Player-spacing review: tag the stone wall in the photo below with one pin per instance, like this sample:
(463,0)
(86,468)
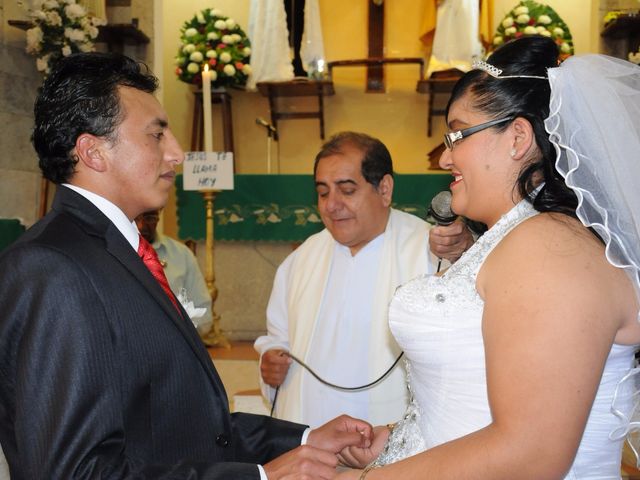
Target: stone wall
(19,80)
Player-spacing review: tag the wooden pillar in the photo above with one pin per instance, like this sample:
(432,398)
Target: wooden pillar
(375,73)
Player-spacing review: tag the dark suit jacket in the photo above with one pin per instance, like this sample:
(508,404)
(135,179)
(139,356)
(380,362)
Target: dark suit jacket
(99,375)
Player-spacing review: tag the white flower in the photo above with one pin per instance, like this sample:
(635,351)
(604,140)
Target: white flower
(85,47)
(193,68)
(558,32)
(74,11)
(540,29)
(179,60)
(529,30)
(93,32)
(214,75)
(54,19)
(510,31)
(225,57)
(189,48)
(201,18)
(497,40)
(229,70)
(524,18)
(190,32)
(214,12)
(228,39)
(545,33)
(34,39)
(507,22)
(236,37)
(544,19)
(212,36)
(39,15)
(246,69)
(66,50)
(211,54)
(74,34)
(196,57)
(565,47)
(231,23)
(220,24)
(42,63)
(520,10)
(246,51)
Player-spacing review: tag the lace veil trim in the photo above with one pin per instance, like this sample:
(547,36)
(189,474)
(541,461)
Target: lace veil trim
(594,125)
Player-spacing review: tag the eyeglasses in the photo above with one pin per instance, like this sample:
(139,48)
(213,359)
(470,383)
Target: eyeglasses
(451,138)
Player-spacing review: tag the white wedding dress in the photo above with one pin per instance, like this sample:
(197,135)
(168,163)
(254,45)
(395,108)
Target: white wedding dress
(438,323)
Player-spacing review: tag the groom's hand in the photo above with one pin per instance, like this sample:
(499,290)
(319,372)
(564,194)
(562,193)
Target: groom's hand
(341,432)
(358,457)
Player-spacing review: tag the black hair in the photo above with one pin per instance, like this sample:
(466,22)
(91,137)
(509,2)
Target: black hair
(80,95)
(527,98)
(376,159)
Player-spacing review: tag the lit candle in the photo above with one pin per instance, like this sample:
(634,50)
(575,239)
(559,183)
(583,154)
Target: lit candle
(206,104)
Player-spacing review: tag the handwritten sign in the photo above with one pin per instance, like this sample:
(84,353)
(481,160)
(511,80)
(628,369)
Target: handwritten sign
(208,171)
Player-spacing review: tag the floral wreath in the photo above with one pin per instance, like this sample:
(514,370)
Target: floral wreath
(213,39)
(533,18)
(61,27)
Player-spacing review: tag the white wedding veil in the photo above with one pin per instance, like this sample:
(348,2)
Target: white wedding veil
(594,125)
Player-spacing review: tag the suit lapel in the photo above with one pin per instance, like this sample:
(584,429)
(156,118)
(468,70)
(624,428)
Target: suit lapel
(97,224)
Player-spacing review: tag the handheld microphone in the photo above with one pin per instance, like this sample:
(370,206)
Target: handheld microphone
(265,124)
(440,210)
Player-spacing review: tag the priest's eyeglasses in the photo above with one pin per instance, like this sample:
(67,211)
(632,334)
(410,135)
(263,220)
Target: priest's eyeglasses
(450,138)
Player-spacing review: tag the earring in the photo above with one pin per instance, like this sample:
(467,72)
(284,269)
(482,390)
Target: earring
(513,152)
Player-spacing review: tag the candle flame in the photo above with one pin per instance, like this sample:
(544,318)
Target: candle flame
(206,67)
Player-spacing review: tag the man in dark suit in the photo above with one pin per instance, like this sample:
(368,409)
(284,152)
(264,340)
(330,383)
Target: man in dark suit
(102,375)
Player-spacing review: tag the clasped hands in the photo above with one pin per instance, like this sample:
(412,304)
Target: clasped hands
(343,441)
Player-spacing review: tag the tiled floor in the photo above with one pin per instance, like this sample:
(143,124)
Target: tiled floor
(238,369)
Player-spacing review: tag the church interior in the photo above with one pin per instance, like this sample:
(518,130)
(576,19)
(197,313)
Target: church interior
(376,72)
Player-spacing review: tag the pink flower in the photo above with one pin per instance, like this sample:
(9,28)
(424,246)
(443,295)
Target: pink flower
(222,45)
(239,65)
(213,62)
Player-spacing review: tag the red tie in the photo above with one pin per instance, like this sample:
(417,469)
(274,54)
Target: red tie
(151,260)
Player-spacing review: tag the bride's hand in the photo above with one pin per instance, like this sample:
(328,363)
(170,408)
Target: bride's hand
(356,457)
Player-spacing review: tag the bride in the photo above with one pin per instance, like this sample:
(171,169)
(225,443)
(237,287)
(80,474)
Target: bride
(521,354)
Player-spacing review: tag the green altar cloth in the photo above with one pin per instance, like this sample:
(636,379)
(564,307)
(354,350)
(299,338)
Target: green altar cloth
(283,207)
(10,230)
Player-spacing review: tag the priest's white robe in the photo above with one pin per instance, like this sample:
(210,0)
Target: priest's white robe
(330,310)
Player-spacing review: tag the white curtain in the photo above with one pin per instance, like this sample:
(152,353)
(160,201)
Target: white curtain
(457,37)
(312,46)
(270,55)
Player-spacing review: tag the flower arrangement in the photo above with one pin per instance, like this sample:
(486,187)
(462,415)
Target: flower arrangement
(214,39)
(533,18)
(61,27)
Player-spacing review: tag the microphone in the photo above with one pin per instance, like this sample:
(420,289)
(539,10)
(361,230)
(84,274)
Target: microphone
(265,124)
(440,210)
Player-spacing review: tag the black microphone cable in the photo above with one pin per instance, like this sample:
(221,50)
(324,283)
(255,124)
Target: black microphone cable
(333,385)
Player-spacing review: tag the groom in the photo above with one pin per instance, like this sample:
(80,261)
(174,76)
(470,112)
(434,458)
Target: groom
(102,375)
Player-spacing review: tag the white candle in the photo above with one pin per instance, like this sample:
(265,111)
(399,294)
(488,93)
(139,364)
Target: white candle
(206,107)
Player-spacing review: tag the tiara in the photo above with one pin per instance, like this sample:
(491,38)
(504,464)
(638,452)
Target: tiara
(496,72)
